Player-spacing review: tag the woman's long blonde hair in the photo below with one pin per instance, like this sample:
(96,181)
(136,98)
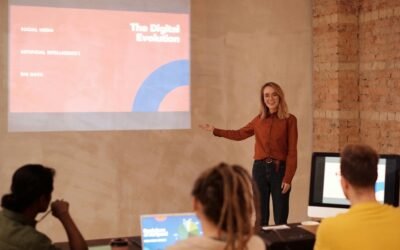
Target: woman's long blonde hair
(226,195)
(282,107)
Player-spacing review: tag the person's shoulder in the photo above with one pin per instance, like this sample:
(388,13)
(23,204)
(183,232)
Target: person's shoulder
(39,240)
(257,117)
(256,120)
(390,207)
(395,211)
(334,223)
(256,243)
(291,120)
(327,221)
(28,237)
(292,117)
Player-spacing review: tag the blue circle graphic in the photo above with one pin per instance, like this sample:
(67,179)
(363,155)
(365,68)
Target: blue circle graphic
(159,83)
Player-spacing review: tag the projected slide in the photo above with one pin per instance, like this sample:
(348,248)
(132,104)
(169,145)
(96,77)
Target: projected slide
(76,66)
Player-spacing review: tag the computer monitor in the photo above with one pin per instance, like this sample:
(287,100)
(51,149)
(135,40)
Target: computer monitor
(326,197)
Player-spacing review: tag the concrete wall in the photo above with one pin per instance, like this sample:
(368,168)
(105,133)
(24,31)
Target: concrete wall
(110,178)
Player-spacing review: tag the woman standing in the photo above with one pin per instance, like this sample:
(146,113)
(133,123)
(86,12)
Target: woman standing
(275,156)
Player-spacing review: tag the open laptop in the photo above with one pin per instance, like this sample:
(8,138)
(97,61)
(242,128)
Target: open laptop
(159,231)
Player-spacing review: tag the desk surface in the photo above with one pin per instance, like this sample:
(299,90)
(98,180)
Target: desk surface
(101,244)
(274,239)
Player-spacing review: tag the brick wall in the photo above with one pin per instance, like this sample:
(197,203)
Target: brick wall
(356,74)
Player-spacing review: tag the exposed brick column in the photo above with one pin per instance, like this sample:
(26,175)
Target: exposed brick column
(356,86)
(335,74)
(380,74)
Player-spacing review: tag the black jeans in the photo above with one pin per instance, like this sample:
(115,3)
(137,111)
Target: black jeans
(268,179)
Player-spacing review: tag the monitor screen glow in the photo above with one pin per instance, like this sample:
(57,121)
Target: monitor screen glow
(326,197)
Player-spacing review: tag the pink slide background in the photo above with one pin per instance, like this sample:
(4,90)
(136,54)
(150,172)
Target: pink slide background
(109,70)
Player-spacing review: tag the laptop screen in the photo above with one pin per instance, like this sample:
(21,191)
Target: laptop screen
(159,231)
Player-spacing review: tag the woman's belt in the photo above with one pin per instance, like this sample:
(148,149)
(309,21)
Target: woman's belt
(276,162)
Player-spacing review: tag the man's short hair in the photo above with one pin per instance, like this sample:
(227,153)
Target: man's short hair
(359,165)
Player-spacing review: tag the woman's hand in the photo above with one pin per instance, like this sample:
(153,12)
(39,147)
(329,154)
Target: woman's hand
(285,187)
(207,127)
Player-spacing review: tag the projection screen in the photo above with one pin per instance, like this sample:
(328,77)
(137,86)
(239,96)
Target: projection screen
(98,65)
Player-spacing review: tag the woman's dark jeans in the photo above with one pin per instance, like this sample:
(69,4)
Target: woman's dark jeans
(268,179)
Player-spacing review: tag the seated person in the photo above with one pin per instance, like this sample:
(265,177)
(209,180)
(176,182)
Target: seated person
(223,202)
(368,224)
(30,195)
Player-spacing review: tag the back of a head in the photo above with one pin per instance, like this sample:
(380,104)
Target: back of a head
(226,195)
(359,165)
(29,183)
